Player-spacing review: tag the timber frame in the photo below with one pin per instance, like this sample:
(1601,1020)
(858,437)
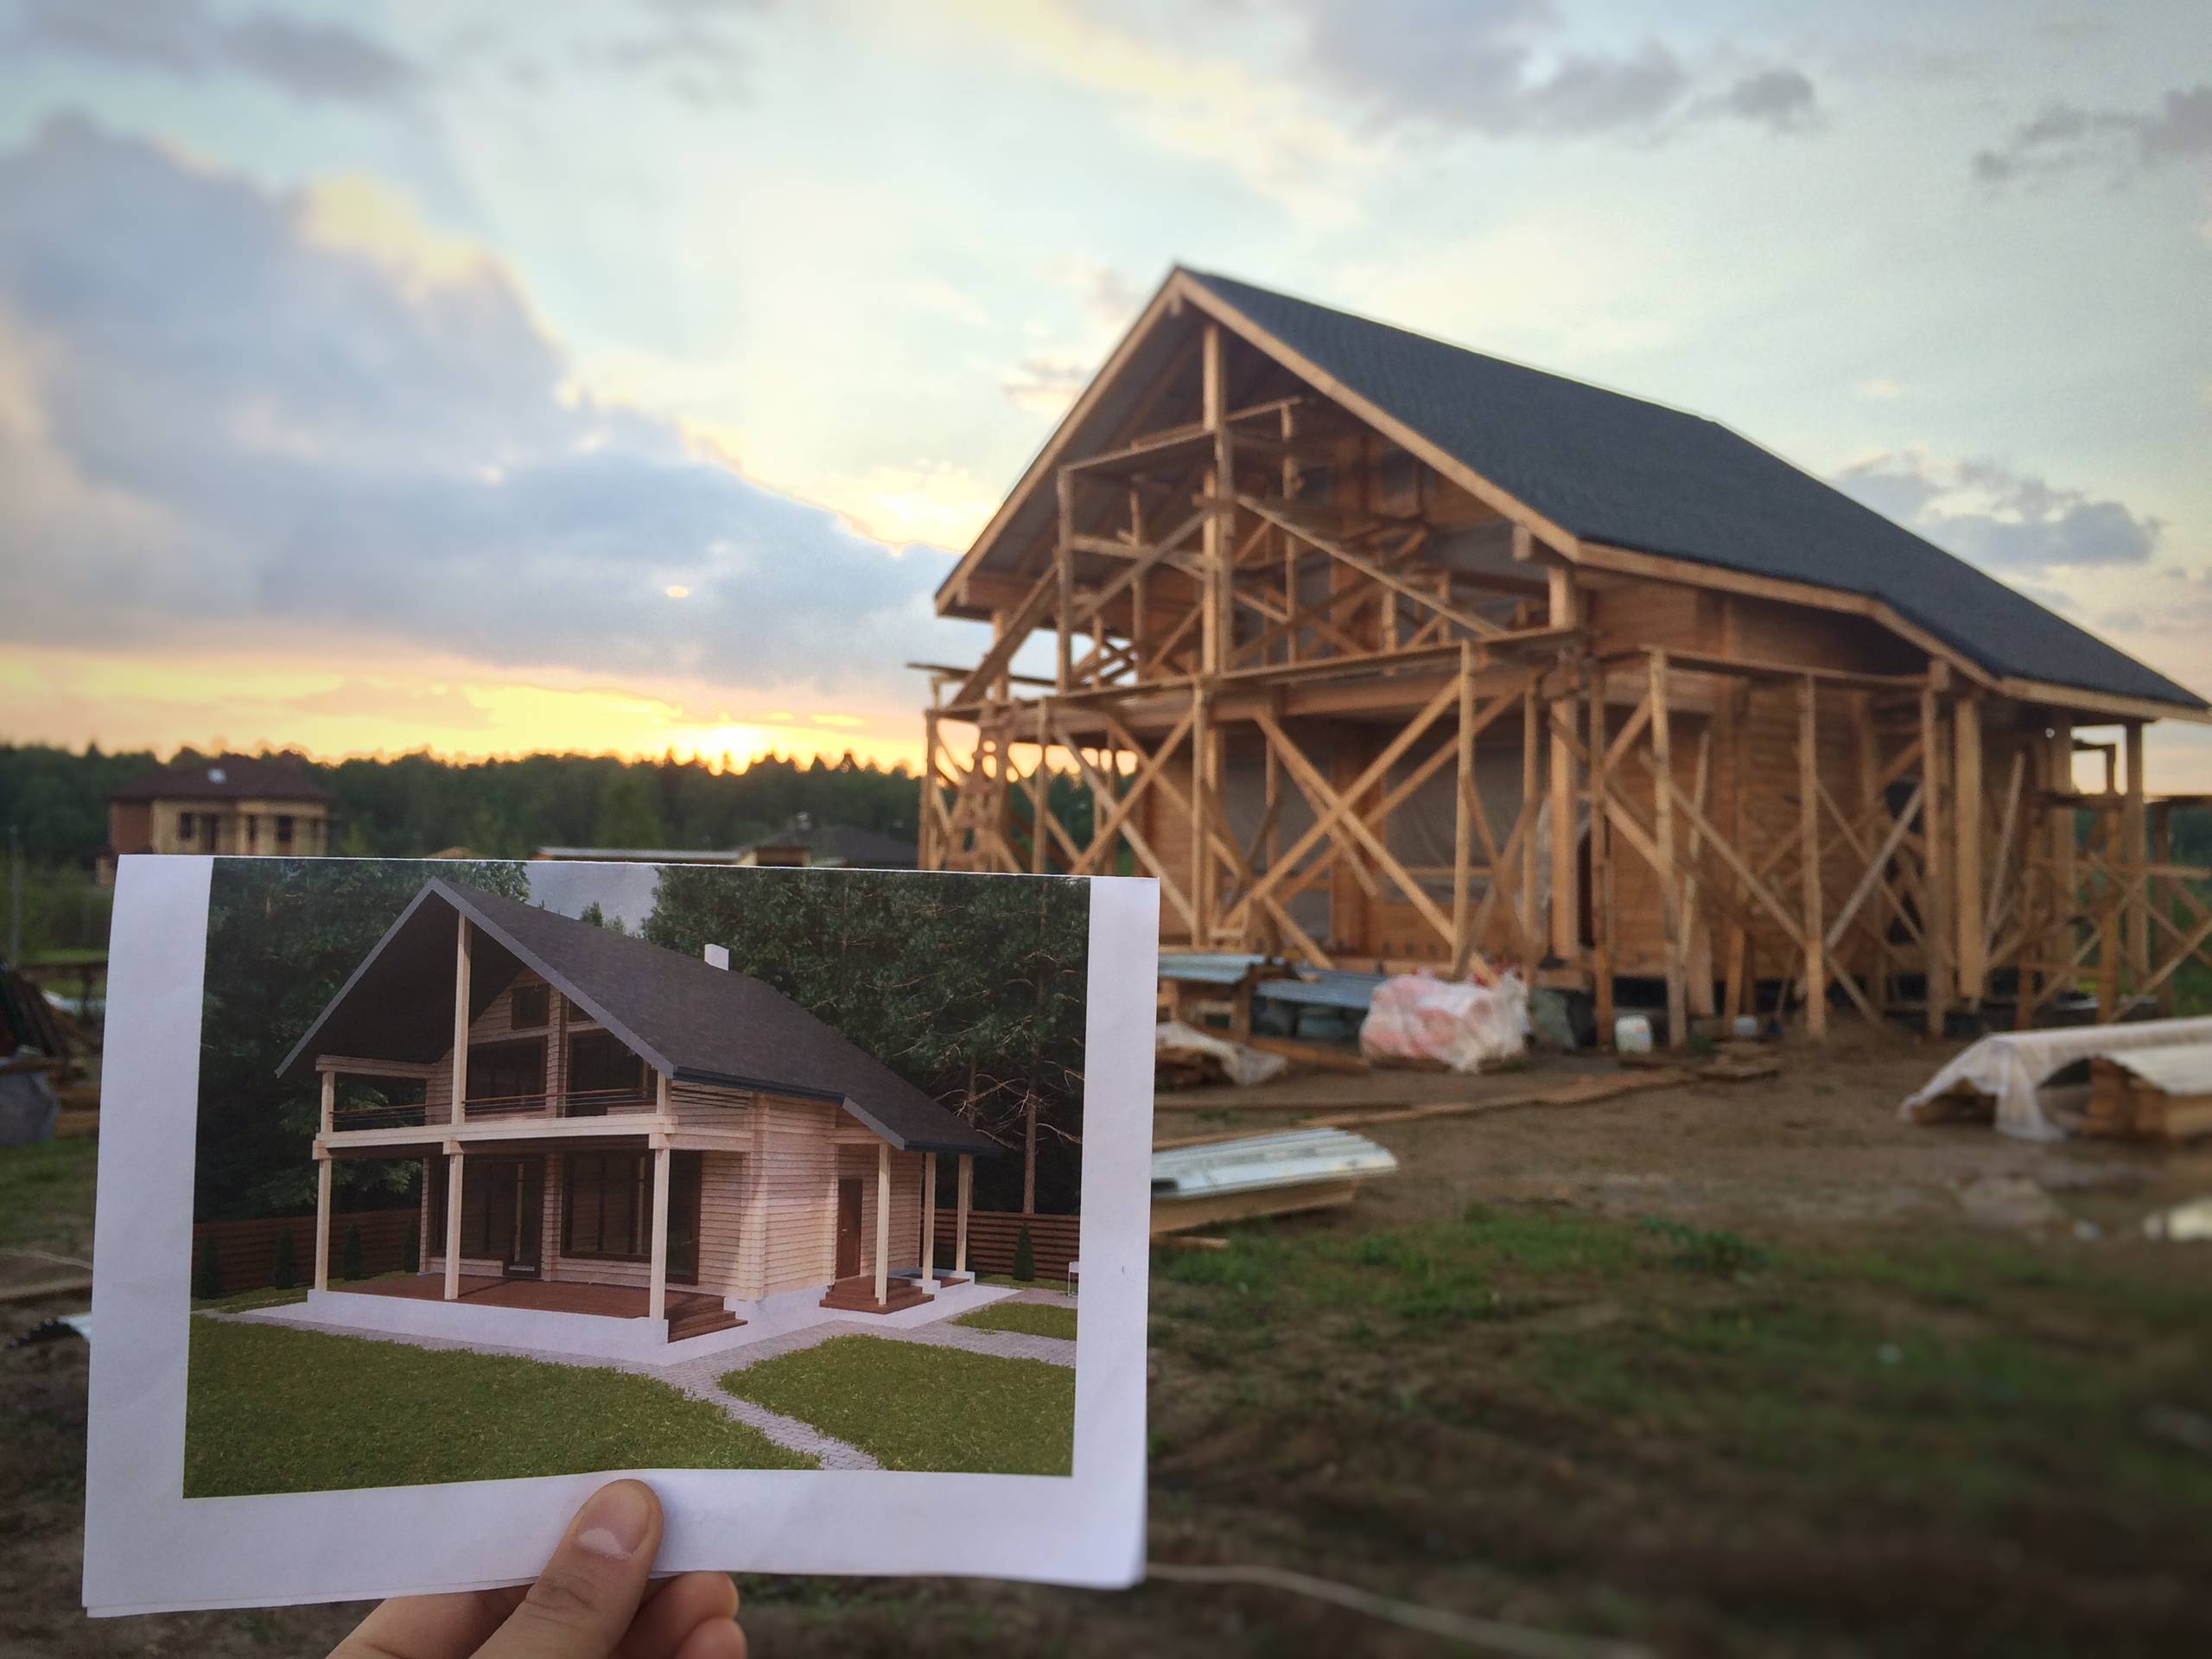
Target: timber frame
(1349,702)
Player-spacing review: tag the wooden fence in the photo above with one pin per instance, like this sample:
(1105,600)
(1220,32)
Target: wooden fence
(991,1235)
(246,1251)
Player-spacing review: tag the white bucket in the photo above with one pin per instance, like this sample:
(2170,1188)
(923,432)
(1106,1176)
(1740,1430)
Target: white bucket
(1747,1026)
(1632,1034)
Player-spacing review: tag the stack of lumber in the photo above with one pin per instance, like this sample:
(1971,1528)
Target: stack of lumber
(1243,1176)
(2151,1093)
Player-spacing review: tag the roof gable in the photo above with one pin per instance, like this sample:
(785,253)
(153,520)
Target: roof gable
(1617,470)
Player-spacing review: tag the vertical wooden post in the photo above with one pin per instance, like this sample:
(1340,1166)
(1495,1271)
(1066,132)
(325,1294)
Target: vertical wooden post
(1040,800)
(1601,863)
(329,1100)
(1216,539)
(1670,880)
(2132,860)
(929,1221)
(1936,924)
(1531,718)
(927,856)
(883,1223)
(1567,927)
(1808,831)
(1966,806)
(1064,575)
(1866,752)
(657,1282)
(1201,816)
(963,1201)
(1462,814)
(461,951)
(2162,853)
(1736,708)
(1029,1153)
(454,1176)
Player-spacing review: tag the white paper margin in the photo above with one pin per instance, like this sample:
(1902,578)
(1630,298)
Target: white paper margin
(149,1549)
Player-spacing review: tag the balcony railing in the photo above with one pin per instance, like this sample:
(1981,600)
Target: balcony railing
(378,1117)
(506,1105)
(577,1102)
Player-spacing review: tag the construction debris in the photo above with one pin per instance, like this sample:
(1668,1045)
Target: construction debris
(1582,1091)
(2013,1070)
(1260,1175)
(2151,1093)
(1184,1057)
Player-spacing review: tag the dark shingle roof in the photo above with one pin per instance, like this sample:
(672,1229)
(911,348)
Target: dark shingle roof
(687,1020)
(847,845)
(227,777)
(1617,470)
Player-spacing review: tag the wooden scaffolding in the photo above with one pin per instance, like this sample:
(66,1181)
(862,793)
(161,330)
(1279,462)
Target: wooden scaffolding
(1279,628)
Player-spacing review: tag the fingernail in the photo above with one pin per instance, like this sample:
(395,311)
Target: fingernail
(615,1520)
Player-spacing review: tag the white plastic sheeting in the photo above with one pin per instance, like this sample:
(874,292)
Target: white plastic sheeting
(1414,1017)
(1243,1066)
(2012,1067)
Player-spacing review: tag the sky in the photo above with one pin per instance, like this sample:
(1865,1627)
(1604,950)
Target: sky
(624,376)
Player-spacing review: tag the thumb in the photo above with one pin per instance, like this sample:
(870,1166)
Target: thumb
(584,1600)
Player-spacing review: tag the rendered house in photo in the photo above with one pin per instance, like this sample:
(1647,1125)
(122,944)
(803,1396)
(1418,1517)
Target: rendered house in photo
(607,1128)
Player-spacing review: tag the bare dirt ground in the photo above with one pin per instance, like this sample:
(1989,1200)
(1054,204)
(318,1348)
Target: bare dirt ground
(1732,1368)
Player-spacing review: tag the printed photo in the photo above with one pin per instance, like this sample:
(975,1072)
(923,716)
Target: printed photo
(507,1170)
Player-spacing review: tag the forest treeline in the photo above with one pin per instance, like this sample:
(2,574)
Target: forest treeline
(411,805)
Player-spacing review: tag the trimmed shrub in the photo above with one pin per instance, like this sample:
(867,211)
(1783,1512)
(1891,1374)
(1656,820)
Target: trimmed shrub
(283,1270)
(207,1283)
(1025,1256)
(350,1264)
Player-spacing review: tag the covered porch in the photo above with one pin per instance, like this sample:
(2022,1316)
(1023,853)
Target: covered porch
(690,1313)
(857,1288)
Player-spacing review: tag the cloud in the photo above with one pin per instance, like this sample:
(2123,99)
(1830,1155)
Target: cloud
(222,411)
(190,39)
(1045,381)
(687,46)
(2065,137)
(1500,68)
(1782,99)
(2004,520)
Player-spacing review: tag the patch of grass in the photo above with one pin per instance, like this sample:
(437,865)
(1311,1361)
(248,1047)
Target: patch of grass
(269,1409)
(1704,1249)
(1030,1318)
(46,1195)
(910,1405)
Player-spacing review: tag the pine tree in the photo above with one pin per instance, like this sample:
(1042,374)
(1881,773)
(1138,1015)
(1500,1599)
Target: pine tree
(1025,1257)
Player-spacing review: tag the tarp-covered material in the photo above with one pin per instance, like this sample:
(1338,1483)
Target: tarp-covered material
(2012,1068)
(1464,1027)
(1241,1066)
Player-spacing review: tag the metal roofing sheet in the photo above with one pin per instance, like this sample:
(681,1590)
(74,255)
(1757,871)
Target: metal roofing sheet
(1292,1159)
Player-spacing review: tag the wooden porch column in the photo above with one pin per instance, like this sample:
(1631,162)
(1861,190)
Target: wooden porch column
(1063,580)
(2132,860)
(657,1290)
(1808,830)
(461,954)
(1971,952)
(960,1213)
(929,1221)
(882,1222)
(323,1184)
(1462,815)
(322,1211)
(453,1220)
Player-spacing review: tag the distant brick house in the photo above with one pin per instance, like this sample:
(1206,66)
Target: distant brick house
(234,803)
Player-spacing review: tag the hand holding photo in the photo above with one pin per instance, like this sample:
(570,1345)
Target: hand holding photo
(496,1189)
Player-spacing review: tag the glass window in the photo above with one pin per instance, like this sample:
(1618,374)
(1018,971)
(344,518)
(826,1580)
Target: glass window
(601,1071)
(607,1204)
(527,1007)
(506,1074)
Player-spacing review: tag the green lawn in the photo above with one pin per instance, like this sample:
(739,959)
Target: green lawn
(1030,1318)
(46,1195)
(914,1407)
(272,1410)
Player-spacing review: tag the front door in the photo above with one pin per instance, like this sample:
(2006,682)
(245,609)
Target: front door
(514,1202)
(849,1229)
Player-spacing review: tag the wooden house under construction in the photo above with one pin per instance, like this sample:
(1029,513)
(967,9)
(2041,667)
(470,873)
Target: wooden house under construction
(1376,651)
